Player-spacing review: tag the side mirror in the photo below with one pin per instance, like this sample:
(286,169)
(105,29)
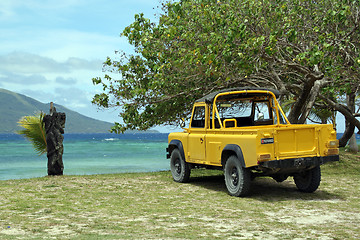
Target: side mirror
(182,124)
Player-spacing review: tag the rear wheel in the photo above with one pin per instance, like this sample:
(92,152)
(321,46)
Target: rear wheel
(237,178)
(180,169)
(308,181)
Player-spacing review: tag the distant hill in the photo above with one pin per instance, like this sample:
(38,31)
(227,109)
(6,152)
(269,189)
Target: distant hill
(13,106)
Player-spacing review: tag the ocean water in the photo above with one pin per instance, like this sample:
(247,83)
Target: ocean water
(86,154)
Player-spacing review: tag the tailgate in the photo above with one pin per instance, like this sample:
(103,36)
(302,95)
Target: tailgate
(296,141)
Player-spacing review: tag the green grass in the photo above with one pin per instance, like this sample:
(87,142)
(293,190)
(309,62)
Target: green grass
(153,206)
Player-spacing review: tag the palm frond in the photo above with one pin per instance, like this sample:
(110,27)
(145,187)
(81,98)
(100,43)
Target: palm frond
(287,104)
(34,131)
(320,114)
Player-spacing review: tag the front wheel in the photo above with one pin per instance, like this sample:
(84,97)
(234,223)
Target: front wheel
(308,181)
(237,178)
(180,169)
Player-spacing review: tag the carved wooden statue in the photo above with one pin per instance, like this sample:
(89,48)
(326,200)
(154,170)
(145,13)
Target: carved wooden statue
(54,126)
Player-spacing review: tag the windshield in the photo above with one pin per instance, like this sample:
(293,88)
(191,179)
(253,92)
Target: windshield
(242,110)
(234,109)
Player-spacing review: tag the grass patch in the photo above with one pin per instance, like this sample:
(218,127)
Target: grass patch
(153,206)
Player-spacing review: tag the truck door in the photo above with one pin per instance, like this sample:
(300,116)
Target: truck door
(197,134)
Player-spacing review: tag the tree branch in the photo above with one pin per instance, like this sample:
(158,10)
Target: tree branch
(344,110)
(312,98)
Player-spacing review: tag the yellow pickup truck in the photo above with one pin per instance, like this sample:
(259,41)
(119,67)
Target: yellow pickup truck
(245,133)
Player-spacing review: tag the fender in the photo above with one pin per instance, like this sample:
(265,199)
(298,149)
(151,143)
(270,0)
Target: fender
(232,149)
(176,144)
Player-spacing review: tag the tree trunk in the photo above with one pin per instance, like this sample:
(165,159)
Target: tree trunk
(344,110)
(349,131)
(350,100)
(298,107)
(54,126)
(312,98)
(354,148)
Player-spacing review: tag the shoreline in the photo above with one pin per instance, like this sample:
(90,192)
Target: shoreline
(84,175)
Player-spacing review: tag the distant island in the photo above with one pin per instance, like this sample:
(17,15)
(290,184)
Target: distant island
(14,106)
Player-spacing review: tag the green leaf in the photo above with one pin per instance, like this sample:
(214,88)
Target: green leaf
(34,131)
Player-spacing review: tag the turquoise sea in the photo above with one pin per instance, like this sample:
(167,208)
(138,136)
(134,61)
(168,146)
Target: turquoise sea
(86,154)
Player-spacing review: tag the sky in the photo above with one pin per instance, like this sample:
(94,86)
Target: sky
(50,50)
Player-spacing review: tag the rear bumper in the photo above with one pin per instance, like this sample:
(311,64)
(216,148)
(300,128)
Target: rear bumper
(297,163)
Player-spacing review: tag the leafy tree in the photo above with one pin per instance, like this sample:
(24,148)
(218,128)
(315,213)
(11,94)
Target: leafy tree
(34,131)
(306,49)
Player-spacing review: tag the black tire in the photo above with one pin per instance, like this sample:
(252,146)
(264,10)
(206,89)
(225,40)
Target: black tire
(180,169)
(308,181)
(237,178)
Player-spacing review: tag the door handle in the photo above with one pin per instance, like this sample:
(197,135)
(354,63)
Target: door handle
(201,140)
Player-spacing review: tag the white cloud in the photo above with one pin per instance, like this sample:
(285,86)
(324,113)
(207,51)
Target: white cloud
(50,49)
(28,63)
(78,63)
(5,14)
(66,81)
(64,43)
(71,97)
(61,44)
(23,62)
(33,79)
(76,99)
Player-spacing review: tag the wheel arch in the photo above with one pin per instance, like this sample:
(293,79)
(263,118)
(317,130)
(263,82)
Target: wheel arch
(232,149)
(176,144)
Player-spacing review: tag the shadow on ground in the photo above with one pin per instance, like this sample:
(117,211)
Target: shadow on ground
(266,189)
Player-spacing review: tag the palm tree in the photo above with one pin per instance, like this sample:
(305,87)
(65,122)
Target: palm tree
(321,115)
(34,131)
